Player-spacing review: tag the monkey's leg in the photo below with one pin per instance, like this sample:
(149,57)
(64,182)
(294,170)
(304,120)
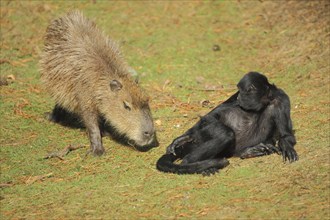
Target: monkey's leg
(208,150)
(220,140)
(258,150)
(94,133)
(178,142)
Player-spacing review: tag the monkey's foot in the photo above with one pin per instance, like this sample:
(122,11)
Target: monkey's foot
(178,142)
(210,171)
(259,150)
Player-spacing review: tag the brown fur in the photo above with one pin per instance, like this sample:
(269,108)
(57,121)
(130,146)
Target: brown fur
(77,66)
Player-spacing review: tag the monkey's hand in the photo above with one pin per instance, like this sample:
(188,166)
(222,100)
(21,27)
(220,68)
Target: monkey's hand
(287,150)
(178,142)
(289,154)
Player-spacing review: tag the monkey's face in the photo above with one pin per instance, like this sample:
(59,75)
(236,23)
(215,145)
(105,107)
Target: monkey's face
(253,90)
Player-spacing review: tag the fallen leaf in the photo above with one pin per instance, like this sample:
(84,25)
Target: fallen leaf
(158,122)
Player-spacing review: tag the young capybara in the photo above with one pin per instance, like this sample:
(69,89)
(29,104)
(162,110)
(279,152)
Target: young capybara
(84,71)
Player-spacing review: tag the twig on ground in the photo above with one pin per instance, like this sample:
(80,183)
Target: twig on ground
(4,185)
(36,178)
(62,153)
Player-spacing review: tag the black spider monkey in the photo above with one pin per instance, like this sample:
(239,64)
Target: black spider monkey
(249,124)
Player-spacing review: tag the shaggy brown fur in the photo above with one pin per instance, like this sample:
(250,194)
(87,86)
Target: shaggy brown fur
(85,73)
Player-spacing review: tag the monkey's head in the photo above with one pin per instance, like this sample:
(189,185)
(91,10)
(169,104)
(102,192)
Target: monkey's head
(254,92)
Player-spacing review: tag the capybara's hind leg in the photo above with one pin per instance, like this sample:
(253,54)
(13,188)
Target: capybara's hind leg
(64,117)
(57,115)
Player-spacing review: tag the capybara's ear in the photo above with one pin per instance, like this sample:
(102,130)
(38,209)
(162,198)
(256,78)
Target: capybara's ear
(115,85)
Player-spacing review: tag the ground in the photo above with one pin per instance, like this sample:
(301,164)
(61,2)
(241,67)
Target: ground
(189,56)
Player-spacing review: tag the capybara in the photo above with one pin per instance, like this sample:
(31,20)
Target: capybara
(86,74)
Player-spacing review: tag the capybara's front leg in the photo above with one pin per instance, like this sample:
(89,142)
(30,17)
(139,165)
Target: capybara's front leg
(94,133)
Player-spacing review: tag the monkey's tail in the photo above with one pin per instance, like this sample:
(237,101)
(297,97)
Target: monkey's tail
(166,164)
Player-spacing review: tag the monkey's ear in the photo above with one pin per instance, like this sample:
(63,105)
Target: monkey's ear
(115,85)
(270,94)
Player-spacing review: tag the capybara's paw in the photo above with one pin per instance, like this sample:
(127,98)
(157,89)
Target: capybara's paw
(98,151)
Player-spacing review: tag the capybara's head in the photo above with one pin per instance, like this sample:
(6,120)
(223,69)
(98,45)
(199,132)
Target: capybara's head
(125,107)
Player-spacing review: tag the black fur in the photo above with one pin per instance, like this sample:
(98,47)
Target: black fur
(248,124)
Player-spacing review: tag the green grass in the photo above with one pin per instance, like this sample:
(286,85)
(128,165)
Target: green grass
(170,46)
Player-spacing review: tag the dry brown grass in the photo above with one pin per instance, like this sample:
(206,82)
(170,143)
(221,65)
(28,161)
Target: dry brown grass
(170,45)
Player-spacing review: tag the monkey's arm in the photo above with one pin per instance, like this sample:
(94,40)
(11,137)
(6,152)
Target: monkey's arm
(283,123)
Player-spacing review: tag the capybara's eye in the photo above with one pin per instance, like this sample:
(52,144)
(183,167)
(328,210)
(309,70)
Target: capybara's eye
(127,106)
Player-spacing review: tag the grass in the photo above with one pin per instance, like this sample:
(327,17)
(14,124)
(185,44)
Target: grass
(170,46)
